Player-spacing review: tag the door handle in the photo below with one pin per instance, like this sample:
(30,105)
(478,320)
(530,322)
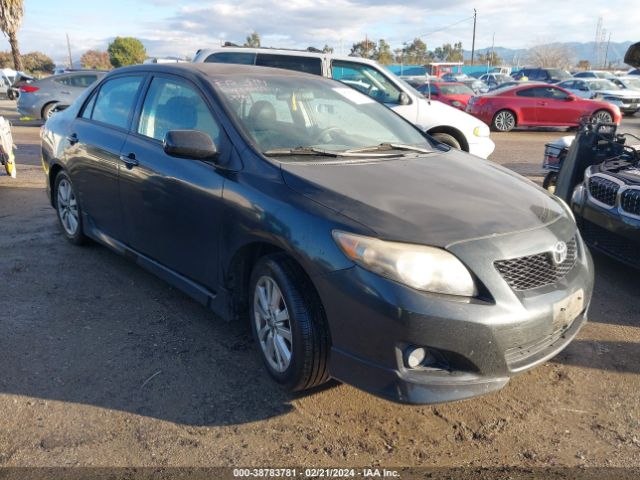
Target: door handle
(65,92)
(542,103)
(129,160)
(73,139)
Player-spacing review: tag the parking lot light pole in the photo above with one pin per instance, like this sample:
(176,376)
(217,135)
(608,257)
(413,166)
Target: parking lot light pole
(473,42)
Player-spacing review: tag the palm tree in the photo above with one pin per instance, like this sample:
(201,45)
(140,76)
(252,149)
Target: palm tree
(11,12)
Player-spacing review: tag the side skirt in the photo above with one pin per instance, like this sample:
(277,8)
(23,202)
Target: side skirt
(219,302)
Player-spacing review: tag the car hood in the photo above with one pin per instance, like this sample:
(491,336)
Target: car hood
(617,93)
(434,199)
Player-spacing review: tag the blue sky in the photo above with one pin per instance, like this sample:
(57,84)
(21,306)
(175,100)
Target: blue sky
(178,29)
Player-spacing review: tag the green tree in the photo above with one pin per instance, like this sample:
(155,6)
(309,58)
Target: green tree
(490,57)
(385,56)
(38,62)
(11,12)
(365,49)
(416,53)
(253,40)
(6,60)
(125,51)
(449,53)
(95,59)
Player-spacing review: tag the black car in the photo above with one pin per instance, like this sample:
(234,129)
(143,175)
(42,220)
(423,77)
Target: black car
(352,243)
(547,75)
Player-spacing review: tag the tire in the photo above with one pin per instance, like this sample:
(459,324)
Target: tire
(46,110)
(447,139)
(305,324)
(603,116)
(550,182)
(504,121)
(68,209)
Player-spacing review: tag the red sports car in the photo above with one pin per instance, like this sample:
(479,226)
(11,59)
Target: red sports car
(452,93)
(537,105)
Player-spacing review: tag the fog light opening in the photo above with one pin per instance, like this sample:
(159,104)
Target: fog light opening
(417,357)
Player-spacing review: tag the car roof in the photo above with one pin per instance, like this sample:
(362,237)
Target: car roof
(211,69)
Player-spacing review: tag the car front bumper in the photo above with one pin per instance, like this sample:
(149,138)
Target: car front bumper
(479,344)
(481,146)
(607,230)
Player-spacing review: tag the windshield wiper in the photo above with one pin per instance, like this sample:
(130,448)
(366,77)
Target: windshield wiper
(324,153)
(390,146)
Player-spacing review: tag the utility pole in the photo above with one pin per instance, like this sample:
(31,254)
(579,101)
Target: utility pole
(606,52)
(473,42)
(69,48)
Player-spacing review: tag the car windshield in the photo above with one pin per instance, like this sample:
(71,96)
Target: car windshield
(603,85)
(456,90)
(313,116)
(632,83)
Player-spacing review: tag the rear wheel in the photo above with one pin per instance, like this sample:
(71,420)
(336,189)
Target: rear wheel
(69,213)
(46,111)
(504,121)
(288,324)
(447,139)
(603,116)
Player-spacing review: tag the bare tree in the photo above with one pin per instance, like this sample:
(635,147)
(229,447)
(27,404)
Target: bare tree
(550,55)
(11,12)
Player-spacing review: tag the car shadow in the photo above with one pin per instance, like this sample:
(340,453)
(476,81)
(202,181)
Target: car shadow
(86,326)
(615,284)
(601,355)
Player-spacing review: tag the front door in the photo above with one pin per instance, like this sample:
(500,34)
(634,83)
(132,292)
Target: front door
(171,206)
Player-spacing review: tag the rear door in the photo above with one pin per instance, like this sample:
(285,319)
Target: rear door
(93,150)
(171,206)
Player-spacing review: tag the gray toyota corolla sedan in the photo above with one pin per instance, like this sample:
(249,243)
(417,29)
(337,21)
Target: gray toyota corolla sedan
(354,245)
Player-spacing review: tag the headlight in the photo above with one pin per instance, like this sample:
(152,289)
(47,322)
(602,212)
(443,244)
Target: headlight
(420,267)
(481,131)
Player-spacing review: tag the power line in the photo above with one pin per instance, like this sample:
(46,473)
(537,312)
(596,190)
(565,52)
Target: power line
(443,28)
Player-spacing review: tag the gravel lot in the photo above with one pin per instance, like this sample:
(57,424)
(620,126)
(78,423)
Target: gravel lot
(102,364)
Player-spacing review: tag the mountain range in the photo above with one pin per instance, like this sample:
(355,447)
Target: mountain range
(579,51)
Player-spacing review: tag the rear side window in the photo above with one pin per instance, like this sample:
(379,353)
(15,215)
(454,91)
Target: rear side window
(82,81)
(291,62)
(115,100)
(241,58)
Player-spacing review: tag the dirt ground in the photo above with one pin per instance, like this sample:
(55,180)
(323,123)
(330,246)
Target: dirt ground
(102,364)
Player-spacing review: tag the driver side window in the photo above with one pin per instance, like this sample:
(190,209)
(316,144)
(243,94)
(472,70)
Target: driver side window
(367,80)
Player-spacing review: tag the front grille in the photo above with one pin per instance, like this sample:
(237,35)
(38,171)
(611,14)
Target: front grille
(616,246)
(534,271)
(603,190)
(630,201)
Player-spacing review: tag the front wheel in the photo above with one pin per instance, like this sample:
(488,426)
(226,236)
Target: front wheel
(447,140)
(550,182)
(603,116)
(504,121)
(288,324)
(69,213)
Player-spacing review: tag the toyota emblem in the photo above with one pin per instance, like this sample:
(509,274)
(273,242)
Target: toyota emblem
(559,253)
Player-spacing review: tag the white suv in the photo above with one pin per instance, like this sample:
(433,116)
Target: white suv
(446,124)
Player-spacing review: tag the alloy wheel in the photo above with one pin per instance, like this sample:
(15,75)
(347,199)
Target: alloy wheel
(505,121)
(67,207)
(273,325)
(603,116)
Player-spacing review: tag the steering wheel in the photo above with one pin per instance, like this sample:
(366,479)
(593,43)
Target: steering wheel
(322,134)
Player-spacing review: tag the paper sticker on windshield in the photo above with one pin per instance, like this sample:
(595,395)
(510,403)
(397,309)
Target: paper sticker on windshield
(353,96)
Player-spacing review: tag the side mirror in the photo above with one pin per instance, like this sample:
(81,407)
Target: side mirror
(570,98)
(192,144)
(404,99)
